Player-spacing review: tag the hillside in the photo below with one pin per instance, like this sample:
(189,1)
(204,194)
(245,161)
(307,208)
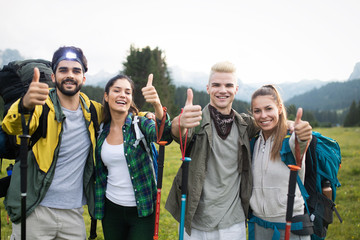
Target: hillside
(332,96)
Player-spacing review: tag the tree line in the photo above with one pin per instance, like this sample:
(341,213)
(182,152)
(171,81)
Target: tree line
(141,62)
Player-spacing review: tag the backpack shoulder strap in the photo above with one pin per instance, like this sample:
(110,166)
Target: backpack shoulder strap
(94,119)
(286,154)
(140,139)
(42,128)
(252,142)
(138,133)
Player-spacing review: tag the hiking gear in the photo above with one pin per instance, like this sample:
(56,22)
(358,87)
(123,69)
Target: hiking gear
(299,223)
(184,178)
(15,79)
(140,139)
(159,132)
(23,171)
(292,185)
(290,201)
(184,183)
(307,226)
(322,162)
(70,56)
(159,186)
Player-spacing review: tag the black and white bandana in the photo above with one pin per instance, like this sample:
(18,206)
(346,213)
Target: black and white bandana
(222,122)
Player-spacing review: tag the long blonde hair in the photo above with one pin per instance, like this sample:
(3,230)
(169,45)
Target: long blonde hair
(281,128)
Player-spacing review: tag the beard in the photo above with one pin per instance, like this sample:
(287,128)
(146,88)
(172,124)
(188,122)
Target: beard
(61,87)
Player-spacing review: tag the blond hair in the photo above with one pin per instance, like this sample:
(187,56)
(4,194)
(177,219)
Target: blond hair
(223,67)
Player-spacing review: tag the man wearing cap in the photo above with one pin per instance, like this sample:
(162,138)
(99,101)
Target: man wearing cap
(61,163)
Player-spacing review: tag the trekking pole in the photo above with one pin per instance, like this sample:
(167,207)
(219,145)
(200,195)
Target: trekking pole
(159,186)
(161,157)
(184,178)
(290,201)
(23,172)
(184,183)
(291,190)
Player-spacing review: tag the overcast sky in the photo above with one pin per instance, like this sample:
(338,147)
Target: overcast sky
(268,40)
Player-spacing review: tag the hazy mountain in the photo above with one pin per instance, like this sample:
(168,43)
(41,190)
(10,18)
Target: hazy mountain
(9,55)
(198,81)
(356,72)
(195,80)
(100,79)
(332,96)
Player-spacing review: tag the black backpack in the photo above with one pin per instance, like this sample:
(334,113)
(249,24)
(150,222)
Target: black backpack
(15,79)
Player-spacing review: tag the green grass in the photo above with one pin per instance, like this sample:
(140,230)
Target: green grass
(347,200)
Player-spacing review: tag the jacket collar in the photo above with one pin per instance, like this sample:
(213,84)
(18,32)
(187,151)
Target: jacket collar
(59,115)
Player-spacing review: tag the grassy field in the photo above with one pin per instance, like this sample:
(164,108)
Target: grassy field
(348,195)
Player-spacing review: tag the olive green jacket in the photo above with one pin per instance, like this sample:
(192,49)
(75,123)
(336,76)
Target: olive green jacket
(197,167)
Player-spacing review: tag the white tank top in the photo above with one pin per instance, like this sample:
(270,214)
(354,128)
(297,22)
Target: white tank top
(119,188)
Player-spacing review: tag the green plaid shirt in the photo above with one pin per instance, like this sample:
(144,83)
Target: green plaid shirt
(140,168)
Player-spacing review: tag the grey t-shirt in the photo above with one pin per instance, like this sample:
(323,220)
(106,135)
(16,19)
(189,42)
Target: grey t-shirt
(220,204)
(66,189)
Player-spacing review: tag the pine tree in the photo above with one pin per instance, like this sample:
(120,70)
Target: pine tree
(351,118)
(140,63)
(291,112)
(358,115)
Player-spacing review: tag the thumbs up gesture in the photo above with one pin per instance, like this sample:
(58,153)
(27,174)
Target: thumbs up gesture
(150,94)
(190,117)
(37,92)
(303,130)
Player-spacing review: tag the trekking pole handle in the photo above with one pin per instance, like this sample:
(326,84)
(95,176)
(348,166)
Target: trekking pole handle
(291,191)
(185,174)
(161,163)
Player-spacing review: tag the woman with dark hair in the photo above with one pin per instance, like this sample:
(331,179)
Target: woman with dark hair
(125,180)
(271,175)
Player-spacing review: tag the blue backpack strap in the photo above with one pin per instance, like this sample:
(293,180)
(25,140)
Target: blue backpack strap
(252,143)
(286,154)
(304,193)
(273,225)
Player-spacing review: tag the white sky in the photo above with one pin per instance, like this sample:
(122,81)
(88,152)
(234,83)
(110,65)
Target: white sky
(268,40)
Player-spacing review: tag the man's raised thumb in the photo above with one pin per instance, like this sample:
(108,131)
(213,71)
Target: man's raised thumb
(36,76)
(189,99)
(150,80)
